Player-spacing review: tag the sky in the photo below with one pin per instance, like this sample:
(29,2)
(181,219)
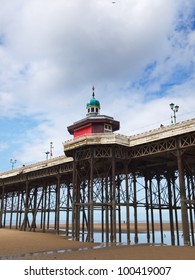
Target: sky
(139,55)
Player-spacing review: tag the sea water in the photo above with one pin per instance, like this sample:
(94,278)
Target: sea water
(142,238)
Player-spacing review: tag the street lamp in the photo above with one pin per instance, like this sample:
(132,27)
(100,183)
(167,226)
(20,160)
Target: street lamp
(47,155)
(13,162)
(175,109)
(51,149)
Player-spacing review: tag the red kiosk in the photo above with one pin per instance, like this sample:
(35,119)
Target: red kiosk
(94,122)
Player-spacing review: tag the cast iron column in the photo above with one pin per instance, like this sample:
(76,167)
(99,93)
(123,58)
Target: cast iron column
(2,206)
(26,206)
(184,212)
(91,238)
(57,205)
(113,196)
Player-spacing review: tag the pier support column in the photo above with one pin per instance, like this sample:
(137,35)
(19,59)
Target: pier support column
(11,209)
(75,201)
(158,178)
(151,208)
(127,203)
(113,191)
(44,194)
(184,212)
(135,208)
(171,202)
(147,210)
(68,209)
(18,208)
(2,207)
(25,222)
(91,238)
(58,205)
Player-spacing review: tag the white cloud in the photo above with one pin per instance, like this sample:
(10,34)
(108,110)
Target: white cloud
(52,52)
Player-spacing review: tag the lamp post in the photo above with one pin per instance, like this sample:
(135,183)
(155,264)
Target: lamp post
(47,155)
(13,162)
(51,149)
(175,109)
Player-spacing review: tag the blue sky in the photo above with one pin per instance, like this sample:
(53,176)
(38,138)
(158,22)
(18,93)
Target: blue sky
(139,55)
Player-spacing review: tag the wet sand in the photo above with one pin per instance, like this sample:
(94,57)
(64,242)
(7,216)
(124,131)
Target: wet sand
(24,245)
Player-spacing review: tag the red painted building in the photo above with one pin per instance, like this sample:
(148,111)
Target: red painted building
(94,122)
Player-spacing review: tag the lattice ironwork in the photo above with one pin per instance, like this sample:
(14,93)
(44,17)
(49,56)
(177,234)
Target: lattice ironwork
(152,148)
(187,140)
(111,181)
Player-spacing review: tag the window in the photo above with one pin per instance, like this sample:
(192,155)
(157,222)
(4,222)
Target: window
(107,128)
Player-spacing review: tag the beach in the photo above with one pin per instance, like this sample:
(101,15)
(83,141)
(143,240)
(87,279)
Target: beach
(25,245)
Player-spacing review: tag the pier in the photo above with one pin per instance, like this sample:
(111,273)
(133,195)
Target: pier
(119,179)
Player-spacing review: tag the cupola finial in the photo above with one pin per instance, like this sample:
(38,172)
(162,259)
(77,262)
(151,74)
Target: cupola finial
(93,91)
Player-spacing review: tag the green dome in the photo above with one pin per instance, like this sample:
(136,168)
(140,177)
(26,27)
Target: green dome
(93,102)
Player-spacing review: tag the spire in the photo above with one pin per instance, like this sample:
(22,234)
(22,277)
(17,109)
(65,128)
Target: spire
(93,92)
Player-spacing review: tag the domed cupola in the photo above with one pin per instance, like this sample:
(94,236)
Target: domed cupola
(93,106)
(93,123)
